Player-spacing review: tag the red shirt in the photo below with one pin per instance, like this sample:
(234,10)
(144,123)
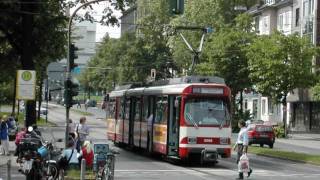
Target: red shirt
(88,157)
(19,136)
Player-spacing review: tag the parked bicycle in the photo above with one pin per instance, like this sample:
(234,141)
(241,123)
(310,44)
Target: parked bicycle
(104,161)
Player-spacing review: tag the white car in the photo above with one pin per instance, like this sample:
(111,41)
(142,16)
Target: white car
(43,110)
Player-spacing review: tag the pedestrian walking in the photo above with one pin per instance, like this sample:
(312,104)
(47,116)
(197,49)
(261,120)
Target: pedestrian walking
(78,104)
(86,104)
(82,131)
(241,145)
(4,132)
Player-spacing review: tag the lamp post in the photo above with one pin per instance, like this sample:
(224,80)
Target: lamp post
(68,74)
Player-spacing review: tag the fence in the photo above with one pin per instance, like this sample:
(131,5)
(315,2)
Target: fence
(5,170)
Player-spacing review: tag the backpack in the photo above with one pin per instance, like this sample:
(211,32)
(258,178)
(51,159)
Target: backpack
(63,163)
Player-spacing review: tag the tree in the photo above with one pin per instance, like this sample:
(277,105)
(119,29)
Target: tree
(227,55)
(216,14)
(32,33)
(279,64)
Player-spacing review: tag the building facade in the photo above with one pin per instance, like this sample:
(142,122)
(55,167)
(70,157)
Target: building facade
(129,20)
(288,16)
(84,37)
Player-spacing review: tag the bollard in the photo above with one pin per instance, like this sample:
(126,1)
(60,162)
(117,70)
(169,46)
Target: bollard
(113,159)
(9,169)
(83,170)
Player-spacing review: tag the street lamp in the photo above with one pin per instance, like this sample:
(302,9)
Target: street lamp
(68,74)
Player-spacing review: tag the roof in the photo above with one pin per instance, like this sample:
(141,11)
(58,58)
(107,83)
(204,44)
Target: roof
(128,11)
(258,8)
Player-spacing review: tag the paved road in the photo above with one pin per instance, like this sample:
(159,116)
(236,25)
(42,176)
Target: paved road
(136,166)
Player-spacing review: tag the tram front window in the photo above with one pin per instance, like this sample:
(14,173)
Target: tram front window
(199,112)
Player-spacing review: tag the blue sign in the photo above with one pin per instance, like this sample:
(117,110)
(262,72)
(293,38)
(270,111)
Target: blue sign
(76,70)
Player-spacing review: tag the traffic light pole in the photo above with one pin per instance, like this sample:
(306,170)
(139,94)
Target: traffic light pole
(68,75)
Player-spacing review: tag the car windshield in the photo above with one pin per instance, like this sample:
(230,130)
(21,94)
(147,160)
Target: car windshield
(199,112)
(264,128)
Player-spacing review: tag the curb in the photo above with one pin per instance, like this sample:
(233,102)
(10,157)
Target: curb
(287,159)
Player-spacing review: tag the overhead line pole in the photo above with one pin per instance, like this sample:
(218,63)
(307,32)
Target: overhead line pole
(68,75)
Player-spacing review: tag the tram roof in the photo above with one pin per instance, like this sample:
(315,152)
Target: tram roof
(170,86)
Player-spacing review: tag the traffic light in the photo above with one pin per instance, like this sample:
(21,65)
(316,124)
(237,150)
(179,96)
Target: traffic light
(73,56)
(71,90)
(176,6)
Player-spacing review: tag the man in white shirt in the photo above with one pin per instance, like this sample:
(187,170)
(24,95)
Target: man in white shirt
(241,145)
(82,131)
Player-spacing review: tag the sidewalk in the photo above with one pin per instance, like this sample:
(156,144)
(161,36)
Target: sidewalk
(302,143)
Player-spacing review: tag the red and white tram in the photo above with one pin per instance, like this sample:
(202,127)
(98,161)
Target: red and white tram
(184,117)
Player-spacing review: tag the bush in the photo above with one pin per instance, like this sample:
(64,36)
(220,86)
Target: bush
(279,131)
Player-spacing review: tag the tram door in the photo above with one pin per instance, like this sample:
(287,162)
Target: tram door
(173,126)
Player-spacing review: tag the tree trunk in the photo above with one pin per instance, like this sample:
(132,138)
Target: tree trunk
(40,98)
(14,99)
(284,116)
(241,101)
(27,54)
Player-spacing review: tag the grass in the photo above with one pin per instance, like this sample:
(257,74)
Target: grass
(41,122)
(75,174)
(302,157)
(82,112)
(96,98)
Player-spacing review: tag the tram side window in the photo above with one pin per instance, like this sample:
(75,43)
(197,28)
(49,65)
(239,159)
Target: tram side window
(137,110)
(122,109)
(161,110)
(112,109)
(145,109)
(127,110)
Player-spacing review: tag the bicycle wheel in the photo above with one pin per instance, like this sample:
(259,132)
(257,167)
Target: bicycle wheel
(61,174)
(106,174)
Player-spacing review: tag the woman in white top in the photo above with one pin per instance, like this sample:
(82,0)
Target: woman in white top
(241,145)
(71,152)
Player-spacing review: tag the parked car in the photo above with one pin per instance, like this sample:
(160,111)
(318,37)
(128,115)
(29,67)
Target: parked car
(91,103)
(261,134)
(43,110)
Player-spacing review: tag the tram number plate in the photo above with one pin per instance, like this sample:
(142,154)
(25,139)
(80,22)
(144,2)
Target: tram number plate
(207,140)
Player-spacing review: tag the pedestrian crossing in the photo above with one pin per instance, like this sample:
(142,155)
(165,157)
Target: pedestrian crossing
(206,173)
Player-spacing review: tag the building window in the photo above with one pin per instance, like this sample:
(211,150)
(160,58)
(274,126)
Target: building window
(269,2)
(297,17)
(280,22)
(263,104)
(270,106)
(245,104)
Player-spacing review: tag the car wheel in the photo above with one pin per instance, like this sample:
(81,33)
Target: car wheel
(261,145)
(271,146)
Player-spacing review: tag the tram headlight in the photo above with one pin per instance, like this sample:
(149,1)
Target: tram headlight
(224,140)
(192,140)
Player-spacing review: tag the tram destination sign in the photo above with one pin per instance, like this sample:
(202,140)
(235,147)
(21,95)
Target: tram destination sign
(205,90)
(26,85)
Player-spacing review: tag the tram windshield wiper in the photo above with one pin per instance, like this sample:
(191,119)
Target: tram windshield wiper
(190,119)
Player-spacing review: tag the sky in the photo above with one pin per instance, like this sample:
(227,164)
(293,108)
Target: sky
(114,32)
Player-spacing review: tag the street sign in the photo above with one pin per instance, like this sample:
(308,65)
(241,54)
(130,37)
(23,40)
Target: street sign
(26,85)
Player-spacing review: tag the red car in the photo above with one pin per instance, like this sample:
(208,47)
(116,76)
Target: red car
(261,134)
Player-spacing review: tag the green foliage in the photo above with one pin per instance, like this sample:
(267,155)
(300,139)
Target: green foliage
(279,131)
(283,66)
(316,92)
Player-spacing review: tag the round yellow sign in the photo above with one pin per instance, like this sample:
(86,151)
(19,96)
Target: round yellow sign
(26,75)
